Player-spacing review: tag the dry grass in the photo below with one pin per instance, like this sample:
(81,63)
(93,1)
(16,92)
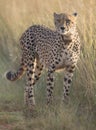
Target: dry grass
(80,113)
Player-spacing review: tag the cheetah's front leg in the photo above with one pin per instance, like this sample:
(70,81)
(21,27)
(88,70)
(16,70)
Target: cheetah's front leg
(67,81)
(50,83)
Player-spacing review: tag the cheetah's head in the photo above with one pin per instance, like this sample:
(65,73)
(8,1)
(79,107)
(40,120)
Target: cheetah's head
(65,23)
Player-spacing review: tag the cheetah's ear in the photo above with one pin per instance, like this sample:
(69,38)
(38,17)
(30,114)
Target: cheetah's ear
(75,14)
(55,15)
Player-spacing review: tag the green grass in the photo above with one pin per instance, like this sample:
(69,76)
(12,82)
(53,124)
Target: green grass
(80,112)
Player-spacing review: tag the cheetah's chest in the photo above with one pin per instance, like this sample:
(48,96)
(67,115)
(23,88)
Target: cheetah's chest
(67,58)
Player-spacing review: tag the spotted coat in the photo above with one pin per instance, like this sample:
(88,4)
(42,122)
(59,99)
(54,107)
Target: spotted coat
(50,49)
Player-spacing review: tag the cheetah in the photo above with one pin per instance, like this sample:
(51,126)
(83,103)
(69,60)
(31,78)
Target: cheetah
(50,49)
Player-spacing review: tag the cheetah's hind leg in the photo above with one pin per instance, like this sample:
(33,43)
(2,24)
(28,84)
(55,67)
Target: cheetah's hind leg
(32,78)
(33,74)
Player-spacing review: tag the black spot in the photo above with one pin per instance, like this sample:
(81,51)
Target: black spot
(73,67)
(30,85)
(50,73)
(30,65)
(71,71)
(53,66)
(60,55)
(57,62)
(31,72)
(55,50)
(36,77)
(65,79)
(68,86)
(33,83)
(58,45)
(31,37)
(51,88)
(51,79)
(66,90)
(67,66)
(30,79)
(31,58)
(37,67)
(50,94)
(40,69)
(48,84)
(29,96)
(69,81)
(56,58)
(28,47)
(27,74)
(39,74)
(67,94)
(32,40)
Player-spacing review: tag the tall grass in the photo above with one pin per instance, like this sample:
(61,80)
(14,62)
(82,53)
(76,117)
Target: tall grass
(80,113)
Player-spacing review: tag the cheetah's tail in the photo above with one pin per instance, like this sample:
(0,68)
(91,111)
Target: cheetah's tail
(13,76)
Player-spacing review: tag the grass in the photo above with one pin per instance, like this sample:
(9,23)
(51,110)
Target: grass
(80,113)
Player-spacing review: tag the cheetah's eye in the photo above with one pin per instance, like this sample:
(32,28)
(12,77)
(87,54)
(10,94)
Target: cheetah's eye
(58,20)
(68,21)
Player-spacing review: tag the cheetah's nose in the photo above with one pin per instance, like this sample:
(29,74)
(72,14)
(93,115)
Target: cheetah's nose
(62,28)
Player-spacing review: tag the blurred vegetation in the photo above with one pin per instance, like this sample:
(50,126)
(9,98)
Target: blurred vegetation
(80,113)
